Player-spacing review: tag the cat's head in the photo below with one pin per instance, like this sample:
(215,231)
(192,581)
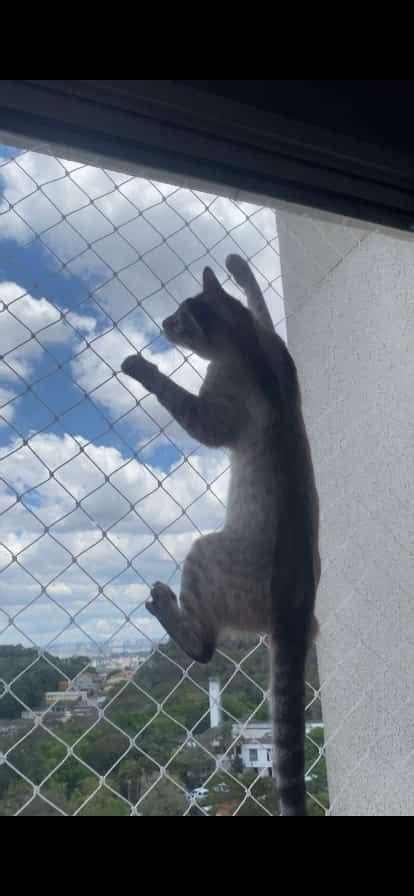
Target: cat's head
(208,324)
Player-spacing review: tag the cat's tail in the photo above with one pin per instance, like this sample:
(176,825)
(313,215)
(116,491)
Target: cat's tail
(245,278)
(288,711)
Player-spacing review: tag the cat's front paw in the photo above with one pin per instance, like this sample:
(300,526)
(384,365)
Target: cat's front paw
(141,370)
(162,600)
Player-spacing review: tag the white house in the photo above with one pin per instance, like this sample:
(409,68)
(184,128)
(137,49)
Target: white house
(254,747)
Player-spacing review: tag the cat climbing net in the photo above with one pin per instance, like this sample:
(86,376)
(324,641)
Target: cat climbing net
(101,493)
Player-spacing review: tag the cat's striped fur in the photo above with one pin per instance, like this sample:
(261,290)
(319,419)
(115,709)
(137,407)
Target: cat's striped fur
(261,573)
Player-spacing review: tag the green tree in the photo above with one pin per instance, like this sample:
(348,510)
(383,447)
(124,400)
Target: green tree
(164,801)
(105,805)
(31,676)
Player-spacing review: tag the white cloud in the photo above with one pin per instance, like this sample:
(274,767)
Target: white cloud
(27,327)
(61,520)
(97,204)
(7,405)
(99,223)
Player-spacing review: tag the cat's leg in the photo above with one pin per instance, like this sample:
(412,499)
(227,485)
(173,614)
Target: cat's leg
(194,622)
(213,421)
(186,630)
(223,588)
(245,278)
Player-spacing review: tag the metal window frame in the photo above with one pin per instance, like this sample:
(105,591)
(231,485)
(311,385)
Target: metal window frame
(166,128)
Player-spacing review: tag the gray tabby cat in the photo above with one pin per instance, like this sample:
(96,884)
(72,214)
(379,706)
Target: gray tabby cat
(261,573)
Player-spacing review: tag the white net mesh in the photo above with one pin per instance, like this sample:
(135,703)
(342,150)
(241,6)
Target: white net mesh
(101,494)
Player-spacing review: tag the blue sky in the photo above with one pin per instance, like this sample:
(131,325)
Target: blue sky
(90,263)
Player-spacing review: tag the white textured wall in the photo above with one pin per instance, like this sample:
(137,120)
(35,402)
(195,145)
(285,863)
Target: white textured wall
(350,305)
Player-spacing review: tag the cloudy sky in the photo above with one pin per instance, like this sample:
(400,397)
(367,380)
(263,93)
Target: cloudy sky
(100,492)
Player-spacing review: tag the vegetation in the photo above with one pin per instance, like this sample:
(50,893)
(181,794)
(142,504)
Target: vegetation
(94,766)
(32,677)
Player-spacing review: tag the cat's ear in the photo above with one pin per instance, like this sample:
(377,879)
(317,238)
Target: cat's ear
(210,281)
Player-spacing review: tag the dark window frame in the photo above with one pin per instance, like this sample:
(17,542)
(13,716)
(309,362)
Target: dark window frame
(170,128)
